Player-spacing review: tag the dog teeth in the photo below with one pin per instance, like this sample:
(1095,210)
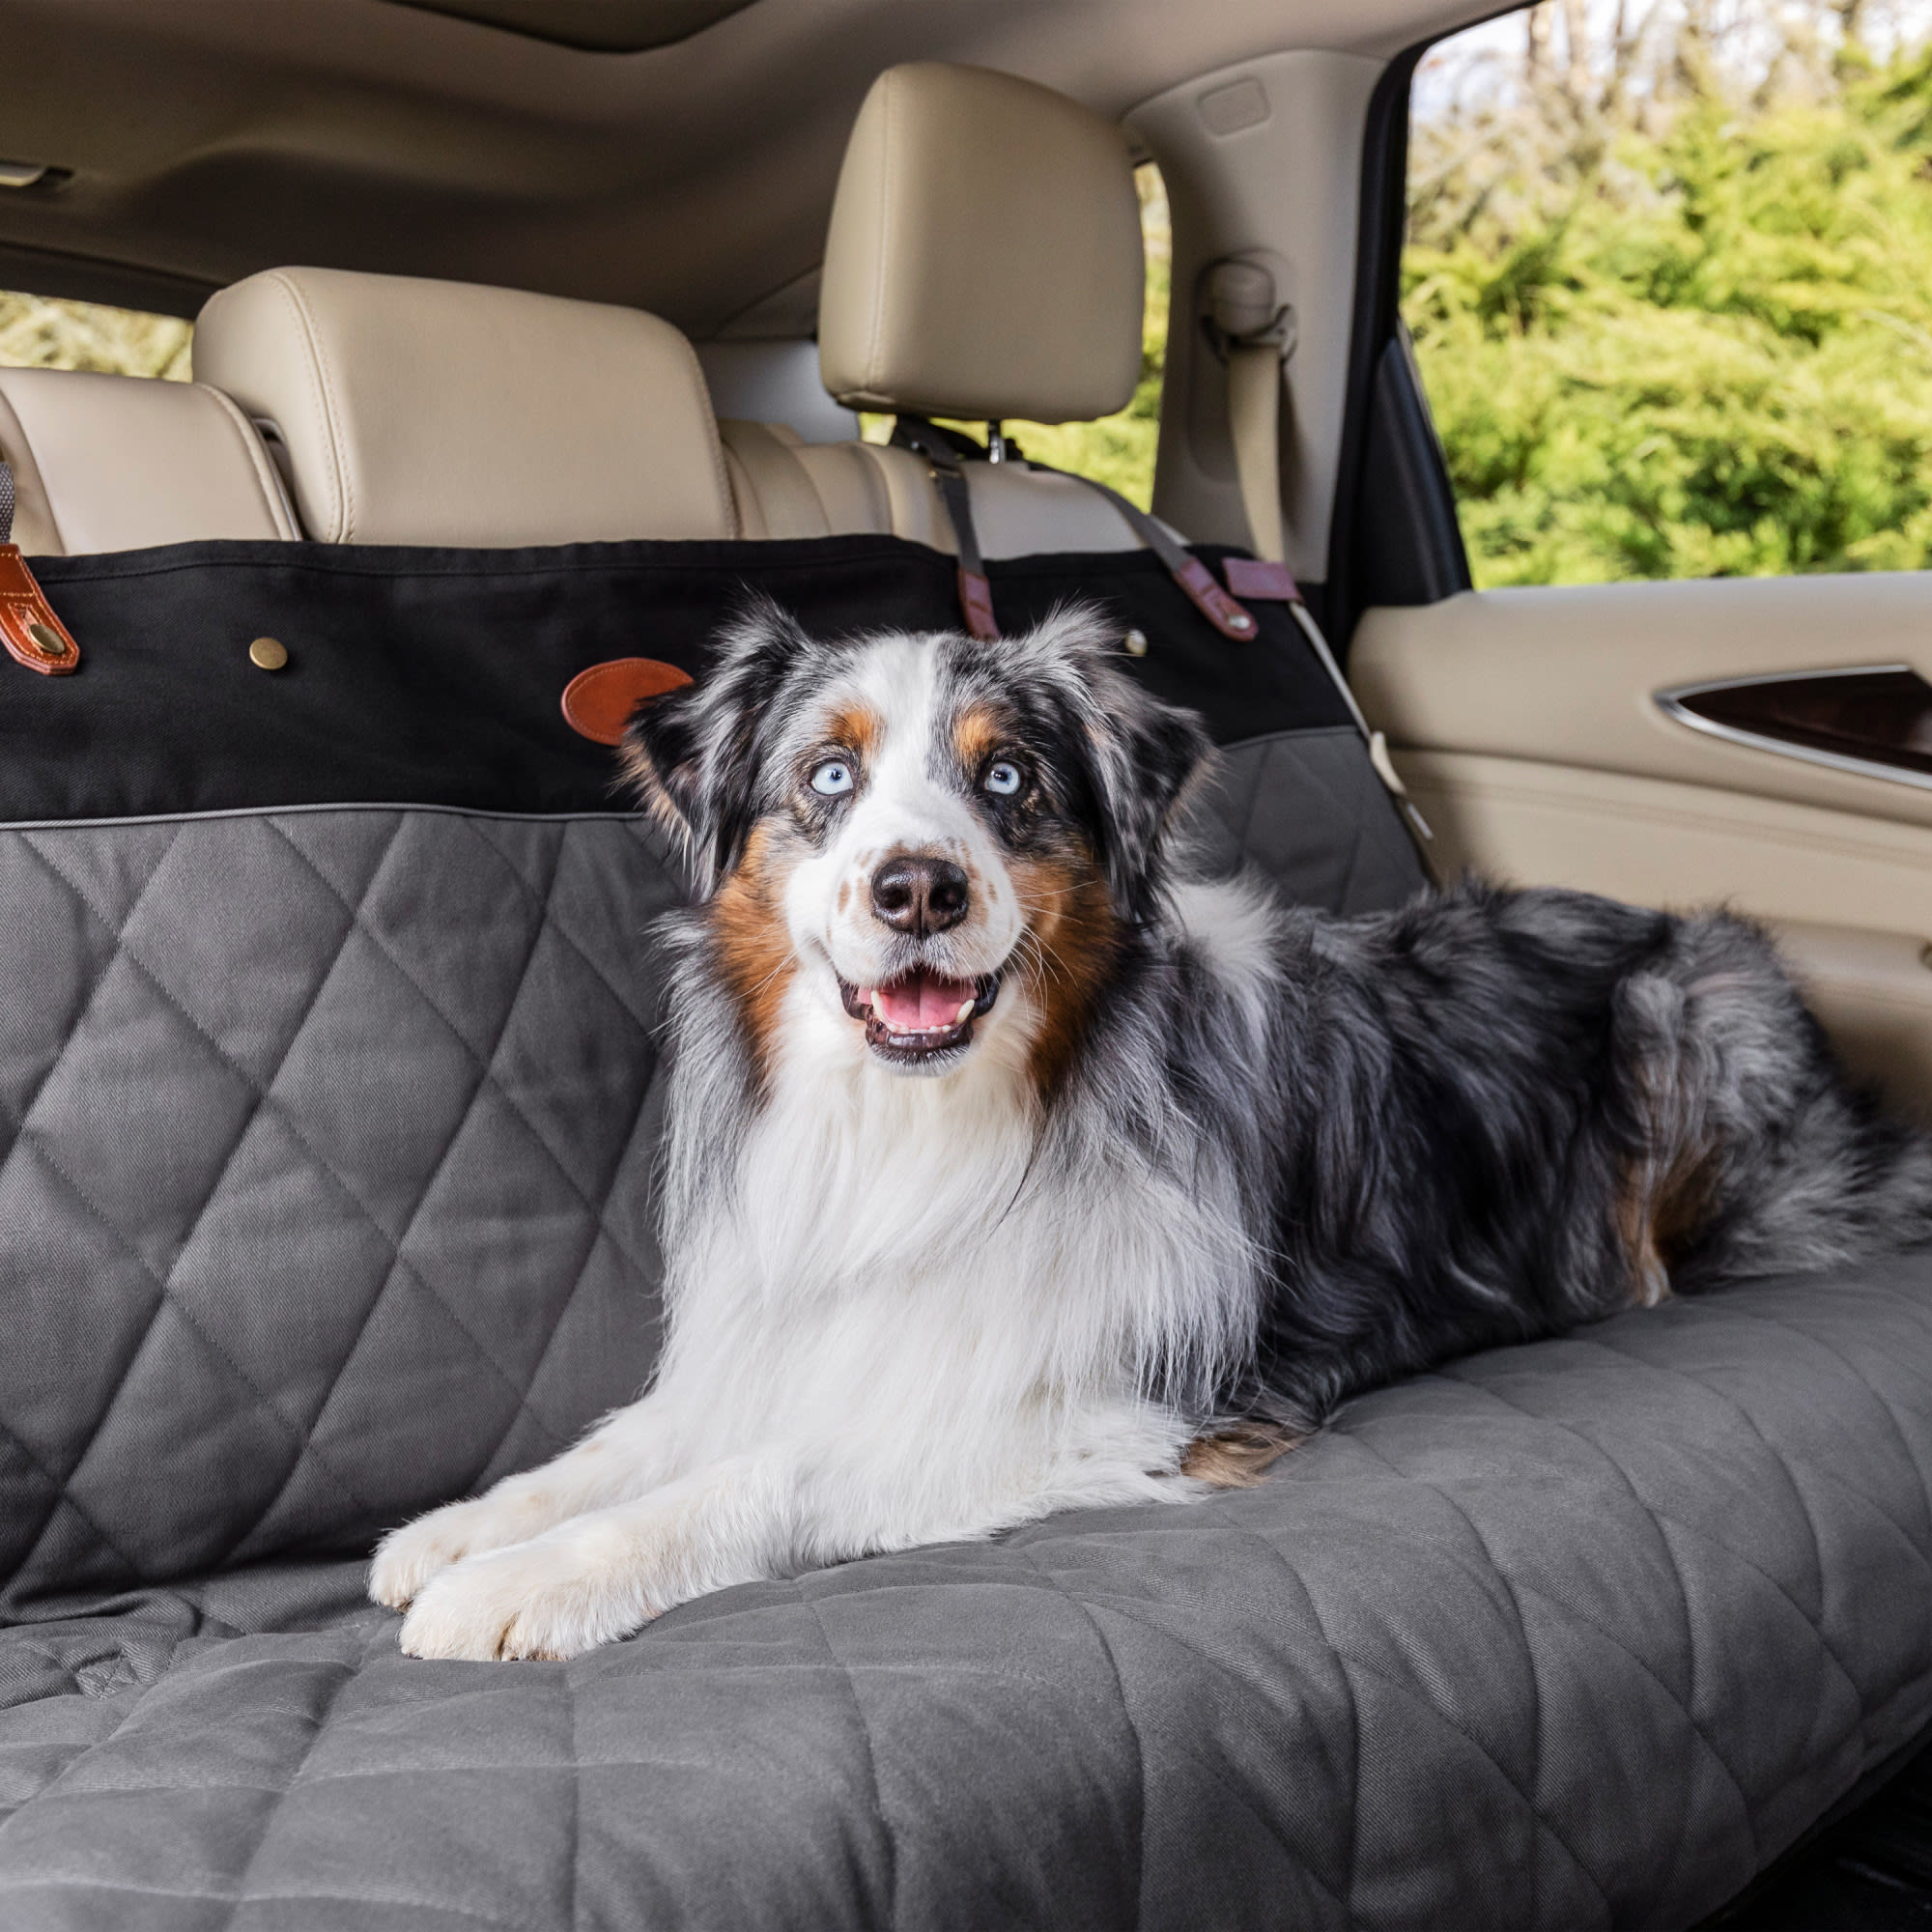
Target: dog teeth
(966,1006)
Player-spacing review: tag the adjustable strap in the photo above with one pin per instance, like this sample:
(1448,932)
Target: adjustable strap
(975,591)
(1261,579)
(30,633)
(1223,610)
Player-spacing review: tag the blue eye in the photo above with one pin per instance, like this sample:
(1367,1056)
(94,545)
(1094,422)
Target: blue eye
(833,779)
(1003,778)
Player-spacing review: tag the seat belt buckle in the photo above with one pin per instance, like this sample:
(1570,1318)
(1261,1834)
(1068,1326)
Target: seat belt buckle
(32,634)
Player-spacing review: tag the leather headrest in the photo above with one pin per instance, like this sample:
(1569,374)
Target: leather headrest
(985,255)
(436,412)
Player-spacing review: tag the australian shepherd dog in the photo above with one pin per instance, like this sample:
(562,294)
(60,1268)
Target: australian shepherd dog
(1010,1168)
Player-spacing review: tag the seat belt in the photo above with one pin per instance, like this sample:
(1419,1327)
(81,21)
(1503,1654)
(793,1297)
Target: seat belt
(1255,337)
(946,450)
(29,630)
(942,452)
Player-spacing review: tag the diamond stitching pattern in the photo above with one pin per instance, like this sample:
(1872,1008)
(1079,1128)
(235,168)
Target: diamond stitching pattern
(300,1164)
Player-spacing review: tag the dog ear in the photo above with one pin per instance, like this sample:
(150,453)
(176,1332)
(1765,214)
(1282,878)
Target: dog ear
(692,756)
(1140,755)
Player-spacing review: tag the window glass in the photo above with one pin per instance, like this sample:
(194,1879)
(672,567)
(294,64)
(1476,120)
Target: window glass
(1668,271)
(39,332)
(1118,449)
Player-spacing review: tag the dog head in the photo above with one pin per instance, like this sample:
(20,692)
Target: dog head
(935,836)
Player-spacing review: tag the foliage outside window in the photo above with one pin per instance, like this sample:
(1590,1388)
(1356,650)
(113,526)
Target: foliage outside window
(1670,275)
(37,332)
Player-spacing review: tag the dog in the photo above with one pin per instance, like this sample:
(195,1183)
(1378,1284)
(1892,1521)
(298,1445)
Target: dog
(1012,1169)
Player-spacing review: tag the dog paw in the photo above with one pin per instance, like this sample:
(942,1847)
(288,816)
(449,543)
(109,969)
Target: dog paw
(408,1558)
(552,1597)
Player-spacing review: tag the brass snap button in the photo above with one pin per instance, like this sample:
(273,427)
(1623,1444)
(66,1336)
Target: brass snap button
(1136,643)
(270,653)
(48,641)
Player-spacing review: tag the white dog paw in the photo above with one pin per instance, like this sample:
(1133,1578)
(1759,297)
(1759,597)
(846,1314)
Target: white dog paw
(547,1599)
(407,1558)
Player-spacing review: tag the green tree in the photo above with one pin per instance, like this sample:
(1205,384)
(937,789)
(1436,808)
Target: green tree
(1685,332)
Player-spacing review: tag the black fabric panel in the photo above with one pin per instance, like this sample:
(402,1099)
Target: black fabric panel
(434,676)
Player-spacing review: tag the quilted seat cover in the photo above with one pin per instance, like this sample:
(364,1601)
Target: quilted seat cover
(329,1108)
(1575,1634)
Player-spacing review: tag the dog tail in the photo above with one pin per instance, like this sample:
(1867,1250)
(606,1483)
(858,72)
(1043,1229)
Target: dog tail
(1757,1157)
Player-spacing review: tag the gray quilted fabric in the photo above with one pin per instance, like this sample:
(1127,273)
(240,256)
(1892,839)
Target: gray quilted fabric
(325,1149)
(1576,1634)
(326,1142)
(1307,810)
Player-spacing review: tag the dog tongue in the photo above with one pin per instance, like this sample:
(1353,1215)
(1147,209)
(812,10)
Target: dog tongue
(922,1001)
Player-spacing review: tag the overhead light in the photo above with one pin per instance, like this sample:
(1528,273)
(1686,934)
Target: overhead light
(21,174)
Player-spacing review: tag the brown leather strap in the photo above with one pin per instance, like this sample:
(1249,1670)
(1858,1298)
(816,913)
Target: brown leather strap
(1260,580)
(599,704)
(1224,612)
(32,635)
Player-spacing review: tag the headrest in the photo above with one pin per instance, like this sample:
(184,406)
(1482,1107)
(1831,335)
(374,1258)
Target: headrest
(436,412)
(985,254)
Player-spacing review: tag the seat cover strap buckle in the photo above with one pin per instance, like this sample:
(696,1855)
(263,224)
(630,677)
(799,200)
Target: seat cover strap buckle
(30,630)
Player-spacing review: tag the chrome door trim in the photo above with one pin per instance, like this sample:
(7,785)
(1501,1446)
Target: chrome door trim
(1670,702)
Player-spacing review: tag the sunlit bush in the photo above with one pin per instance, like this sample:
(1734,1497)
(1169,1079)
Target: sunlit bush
(1705,350)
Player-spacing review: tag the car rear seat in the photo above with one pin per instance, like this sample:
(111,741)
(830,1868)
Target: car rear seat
(380,408)
(105,463)
(983,262)
(417,411)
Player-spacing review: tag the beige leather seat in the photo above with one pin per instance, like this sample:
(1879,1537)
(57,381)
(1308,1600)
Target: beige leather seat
(983,262)
(415,412)
(105,462)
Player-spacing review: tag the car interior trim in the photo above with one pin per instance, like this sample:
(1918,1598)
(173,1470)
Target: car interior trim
(1903,705)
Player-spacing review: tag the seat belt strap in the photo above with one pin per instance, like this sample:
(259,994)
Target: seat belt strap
(976,594)
(1254,336)
(30,633)
(1225,611)
(1253,414)
(975,591)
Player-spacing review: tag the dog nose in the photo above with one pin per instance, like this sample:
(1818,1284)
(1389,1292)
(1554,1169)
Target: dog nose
(919,896)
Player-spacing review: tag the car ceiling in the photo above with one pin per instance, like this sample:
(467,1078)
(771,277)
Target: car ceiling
(193,142)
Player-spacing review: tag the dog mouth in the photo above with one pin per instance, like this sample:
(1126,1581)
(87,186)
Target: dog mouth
(920,1014)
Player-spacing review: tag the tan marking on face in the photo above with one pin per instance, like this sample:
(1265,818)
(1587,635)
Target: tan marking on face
(845,892)
(859,728)
(977,734)
(1236,1459)
(747,925)
(1071,943)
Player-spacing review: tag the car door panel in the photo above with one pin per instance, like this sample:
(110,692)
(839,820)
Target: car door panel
(1528,725)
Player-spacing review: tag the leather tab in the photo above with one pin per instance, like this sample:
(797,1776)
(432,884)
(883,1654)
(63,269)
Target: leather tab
(599,704)
(1214,602)
(1260,580)
(32,634)
(975,600)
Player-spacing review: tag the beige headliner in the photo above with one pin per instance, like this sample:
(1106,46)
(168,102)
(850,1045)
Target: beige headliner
(210,138)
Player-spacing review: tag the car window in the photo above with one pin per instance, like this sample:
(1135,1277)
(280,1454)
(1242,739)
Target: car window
(1118,450)
(40,332)
(1668,271)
